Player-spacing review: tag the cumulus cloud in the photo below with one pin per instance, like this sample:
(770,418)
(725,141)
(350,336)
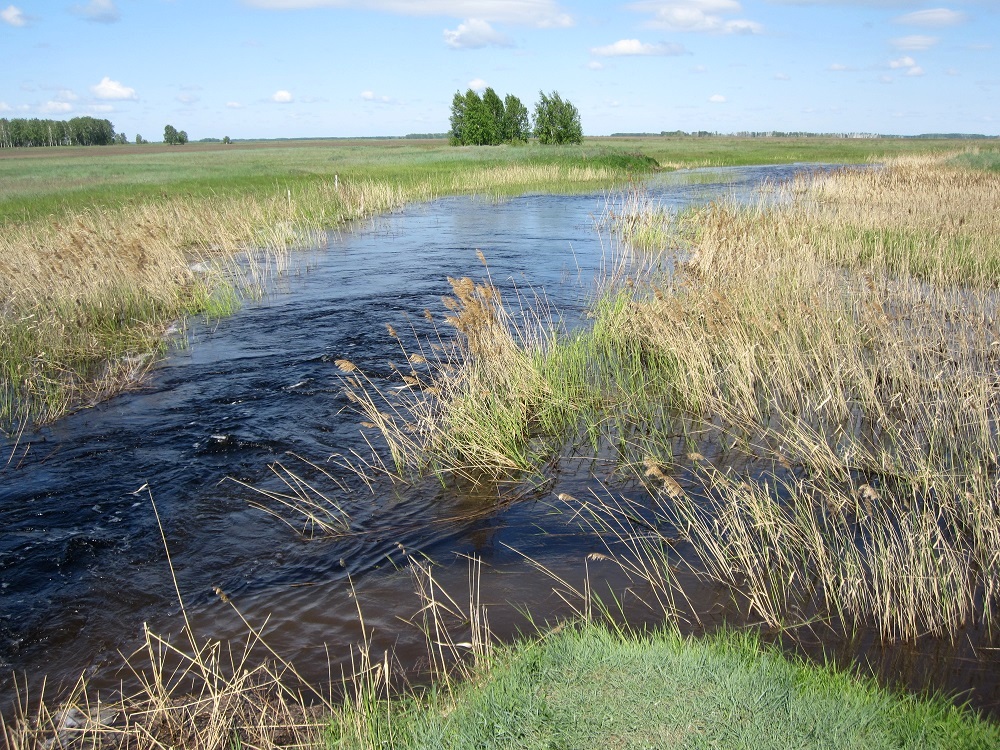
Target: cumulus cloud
(99,11)
(281,96)
(907,64)
(717,99)
(538,13)
(697,15)
(108,89)
(475,34)
(478,84)
(627,47)
(14,16)
(934,17)
(55,108)
(914,42)
(371,96)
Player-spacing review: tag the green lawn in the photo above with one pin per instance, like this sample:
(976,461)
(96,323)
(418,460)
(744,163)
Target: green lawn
(588,687)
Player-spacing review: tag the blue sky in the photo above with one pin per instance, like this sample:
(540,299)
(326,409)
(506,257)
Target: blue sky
(304,68)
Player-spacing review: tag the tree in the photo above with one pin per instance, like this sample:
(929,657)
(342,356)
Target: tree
(227,140)
(170,135)
(493,105)
(515,126)
(478,128)
(182,137)
(557,120)
(139,140)
(121,138)
(455,135)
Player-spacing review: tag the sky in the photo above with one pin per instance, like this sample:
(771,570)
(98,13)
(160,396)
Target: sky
(321,68)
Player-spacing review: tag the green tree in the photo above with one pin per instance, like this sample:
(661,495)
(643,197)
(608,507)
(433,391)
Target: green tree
(477,126)
(182,137)
(515,126)
(557,120)
(227,140)
(456,135)
(170,135)
(493,105)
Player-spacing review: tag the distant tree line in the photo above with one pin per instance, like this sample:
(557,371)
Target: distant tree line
(488,120)
(79,131)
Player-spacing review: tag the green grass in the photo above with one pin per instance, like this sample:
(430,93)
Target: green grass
(39,182)
(588,687)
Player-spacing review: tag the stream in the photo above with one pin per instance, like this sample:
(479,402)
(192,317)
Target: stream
(82,560)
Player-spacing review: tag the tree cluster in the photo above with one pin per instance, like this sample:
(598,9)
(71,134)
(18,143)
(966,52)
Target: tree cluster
(487,120)
(556,120)
(490,121)
(173,136)
(79,131)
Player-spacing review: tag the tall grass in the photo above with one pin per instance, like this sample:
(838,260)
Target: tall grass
(813,401)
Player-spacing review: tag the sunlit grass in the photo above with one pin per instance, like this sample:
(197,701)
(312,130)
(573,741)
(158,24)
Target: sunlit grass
(808,404)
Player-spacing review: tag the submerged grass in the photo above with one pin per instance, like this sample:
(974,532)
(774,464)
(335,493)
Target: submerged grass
(812,400)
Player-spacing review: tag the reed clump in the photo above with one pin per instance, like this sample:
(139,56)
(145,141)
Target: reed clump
(830,409)
(88,296)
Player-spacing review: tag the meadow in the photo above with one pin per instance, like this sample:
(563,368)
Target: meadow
(104,249)
(805,385)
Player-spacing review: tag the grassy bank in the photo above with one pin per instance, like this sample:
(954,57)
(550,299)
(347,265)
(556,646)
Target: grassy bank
(573,687)
(591,688)
(102,252)
(806,385)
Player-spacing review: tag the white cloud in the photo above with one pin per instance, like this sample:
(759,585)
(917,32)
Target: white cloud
(953,72)
(101,108)
(13,16)
(100,11)
(697,15)
(885,79)
(626,47)
(234,105)
(108,89)
(187,98)
(934,17)
(538,13)
(4,107)
(66,95)
(717,99)
(477,84)
(371,96)
(839,67)
(908,64)
(595,65)
(782,77)
(53,108)
(282,97)
(914,42)
(475,34)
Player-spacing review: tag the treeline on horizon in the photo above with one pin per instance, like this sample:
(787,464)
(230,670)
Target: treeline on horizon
(79,131)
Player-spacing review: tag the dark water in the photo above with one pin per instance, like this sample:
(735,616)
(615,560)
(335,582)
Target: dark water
(82,563)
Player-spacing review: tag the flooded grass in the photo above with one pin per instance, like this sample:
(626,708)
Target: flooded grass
(814,414)
(89,291)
